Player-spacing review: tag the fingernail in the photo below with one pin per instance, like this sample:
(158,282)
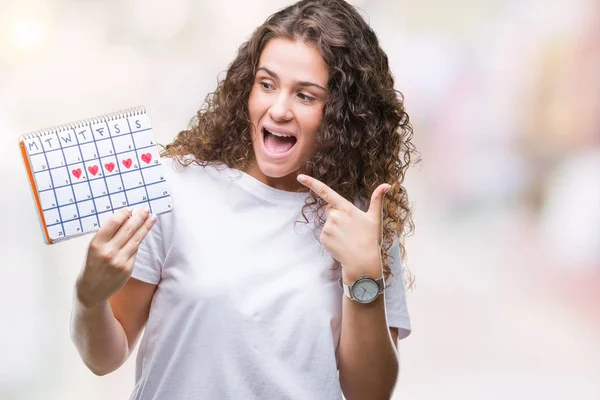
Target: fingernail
(301,178)
(147,209)
(386,189)
(153,217)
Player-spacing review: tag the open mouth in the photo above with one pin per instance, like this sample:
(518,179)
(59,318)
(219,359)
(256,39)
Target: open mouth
(278,143)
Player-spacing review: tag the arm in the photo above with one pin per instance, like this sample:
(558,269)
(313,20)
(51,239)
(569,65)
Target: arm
(105,334)
(109,308)
(368,359)
(368,362)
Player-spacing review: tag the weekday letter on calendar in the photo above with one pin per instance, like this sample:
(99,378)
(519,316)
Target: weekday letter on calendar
(82,172)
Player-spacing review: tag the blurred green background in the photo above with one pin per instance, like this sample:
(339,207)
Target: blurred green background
(504,96)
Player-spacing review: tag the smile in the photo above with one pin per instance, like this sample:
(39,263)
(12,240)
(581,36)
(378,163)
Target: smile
(278,144)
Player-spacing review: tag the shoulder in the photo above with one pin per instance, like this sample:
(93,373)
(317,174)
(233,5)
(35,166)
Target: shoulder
(185,168)
(188,181)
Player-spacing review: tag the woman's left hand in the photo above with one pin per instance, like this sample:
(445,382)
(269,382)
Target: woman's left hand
(351,235)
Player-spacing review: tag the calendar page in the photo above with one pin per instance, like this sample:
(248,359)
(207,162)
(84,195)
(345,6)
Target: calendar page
(81,173)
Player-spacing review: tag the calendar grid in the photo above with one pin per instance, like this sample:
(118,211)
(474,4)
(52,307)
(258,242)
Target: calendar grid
(88,181)
(72,191)
(98,158)
(81,173)
(112,144)
(115,209)
(99,197)
(103,175)
(97,179)
(53,189)
(101,140)
(143,181)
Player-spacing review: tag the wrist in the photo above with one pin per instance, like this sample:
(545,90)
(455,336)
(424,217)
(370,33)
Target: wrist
(82,296)
(84,302)
(351,273)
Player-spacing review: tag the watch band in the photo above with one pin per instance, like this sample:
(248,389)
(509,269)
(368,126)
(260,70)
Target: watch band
(348,288)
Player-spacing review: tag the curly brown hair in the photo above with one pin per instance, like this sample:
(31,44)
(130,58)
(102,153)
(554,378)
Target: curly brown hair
(364,137)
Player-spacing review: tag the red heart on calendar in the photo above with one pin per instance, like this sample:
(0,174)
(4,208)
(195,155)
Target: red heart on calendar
(127,162)
(147,158)
(77,173)
(109,167)
(93,169)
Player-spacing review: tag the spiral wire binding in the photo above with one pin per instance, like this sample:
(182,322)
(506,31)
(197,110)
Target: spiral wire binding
(131,112)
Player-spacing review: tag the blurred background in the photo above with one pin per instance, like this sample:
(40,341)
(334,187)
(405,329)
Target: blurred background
(504,96)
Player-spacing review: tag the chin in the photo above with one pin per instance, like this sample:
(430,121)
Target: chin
(274,171)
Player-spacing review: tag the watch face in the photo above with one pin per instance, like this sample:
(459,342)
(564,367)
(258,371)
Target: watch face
(365,290)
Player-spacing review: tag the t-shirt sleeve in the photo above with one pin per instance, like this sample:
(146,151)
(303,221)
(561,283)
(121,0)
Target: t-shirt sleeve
(150,256)
(395,296)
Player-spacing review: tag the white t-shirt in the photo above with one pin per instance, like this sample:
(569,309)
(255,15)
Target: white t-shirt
(247,305)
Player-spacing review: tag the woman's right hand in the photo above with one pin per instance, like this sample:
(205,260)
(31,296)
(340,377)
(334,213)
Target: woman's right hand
(111,255)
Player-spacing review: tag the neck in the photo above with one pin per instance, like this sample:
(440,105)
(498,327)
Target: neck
(287,183)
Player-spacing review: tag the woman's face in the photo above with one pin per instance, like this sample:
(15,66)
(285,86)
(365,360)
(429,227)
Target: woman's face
(287,98)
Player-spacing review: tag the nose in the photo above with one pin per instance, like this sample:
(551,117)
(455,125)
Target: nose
(280,110)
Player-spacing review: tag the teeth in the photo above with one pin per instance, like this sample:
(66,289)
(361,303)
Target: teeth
(278,134)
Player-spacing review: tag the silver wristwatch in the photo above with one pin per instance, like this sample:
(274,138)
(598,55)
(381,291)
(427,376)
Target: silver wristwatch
(364,290)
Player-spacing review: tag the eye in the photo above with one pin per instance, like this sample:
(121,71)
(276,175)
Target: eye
(266,85)
(306,98)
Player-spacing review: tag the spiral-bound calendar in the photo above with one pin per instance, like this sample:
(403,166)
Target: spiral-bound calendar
(82,172)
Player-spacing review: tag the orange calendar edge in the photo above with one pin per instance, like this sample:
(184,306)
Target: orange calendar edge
(35,193)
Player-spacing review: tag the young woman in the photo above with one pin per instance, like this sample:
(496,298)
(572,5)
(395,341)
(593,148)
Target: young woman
(268,278)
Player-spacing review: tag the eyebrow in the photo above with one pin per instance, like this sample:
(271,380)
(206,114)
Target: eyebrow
(301,83)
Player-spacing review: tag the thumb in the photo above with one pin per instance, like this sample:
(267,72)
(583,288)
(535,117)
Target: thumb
(375,208)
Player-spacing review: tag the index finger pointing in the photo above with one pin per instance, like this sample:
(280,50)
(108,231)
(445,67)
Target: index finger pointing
(323,191)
